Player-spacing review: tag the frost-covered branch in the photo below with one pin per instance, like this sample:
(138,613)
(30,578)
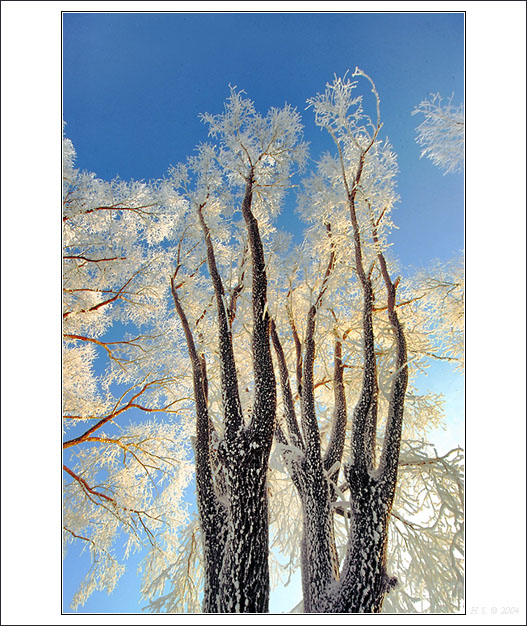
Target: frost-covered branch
(262,423)
(335,449)
(390,453)
(308,415)
(131,404)
(212,513)
(287,396)
(232,407)
(442,133)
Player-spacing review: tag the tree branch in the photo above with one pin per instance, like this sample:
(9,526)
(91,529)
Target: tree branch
(287,396)
(232,409)
(235,293)
(335,447)
(308,417)
(298,345)
(139,210)
(129,405)
(264,409)
(392,440)
(118,295)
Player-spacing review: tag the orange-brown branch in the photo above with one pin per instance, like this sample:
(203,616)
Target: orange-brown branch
(139,210)
(129,405)
(85,485)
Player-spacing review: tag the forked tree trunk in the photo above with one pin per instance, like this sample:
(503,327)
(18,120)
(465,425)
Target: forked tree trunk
(362,583)
(232,483)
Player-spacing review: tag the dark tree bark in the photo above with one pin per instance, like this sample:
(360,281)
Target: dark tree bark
(245,573)
(359,586)
(232,482)
(233,506)
(212,513)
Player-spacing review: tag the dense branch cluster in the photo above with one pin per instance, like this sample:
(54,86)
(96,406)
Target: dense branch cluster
(124,475)
(442,133)
(293,367)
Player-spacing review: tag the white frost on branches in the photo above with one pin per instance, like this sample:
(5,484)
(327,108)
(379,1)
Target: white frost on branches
(124,476)
(426,544)
(442,133)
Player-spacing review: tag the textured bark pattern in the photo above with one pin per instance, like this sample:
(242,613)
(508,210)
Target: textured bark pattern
(212,514)
(362,583)
(244,581)
(318,563)
(232,499)
(363,580)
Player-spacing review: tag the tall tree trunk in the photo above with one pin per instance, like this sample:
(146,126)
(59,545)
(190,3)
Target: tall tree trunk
(212,513)
(244,583)
(364,582)
(244,577)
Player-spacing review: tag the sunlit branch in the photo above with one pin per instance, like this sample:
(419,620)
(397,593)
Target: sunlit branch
(236,291)
(298,345)
(378,309)
(78,536)
(129,405)
(179,262)
(264,408)
(308,416)
(429,460)
(335,447)
(97,547)
(114,506)
(390,453)
(118,295)
(139,210)
(128,448)
(210,511)
(87,260)
(287,397)
(86,487)
(106,345)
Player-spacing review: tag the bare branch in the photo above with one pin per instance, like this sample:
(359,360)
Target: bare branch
(287,397)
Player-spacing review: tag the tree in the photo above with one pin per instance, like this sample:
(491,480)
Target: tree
(442,133)
(362,582)
(283,472)
(359,179)
(256,153)
(119,478)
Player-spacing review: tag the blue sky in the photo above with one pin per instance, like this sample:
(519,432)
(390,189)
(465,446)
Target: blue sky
(134,84)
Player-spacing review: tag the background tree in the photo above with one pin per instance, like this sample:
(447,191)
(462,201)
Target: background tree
(442,133)
(124,476)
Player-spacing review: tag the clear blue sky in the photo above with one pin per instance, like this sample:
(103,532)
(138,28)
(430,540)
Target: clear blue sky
(134,84)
